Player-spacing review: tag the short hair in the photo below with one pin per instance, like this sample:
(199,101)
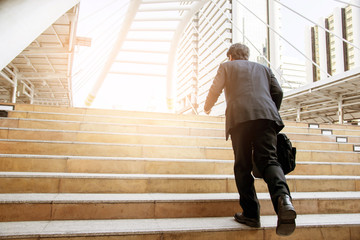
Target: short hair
(238,51)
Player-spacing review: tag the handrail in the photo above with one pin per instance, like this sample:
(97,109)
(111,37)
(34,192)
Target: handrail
(327,74)
(192,105)
(327,30)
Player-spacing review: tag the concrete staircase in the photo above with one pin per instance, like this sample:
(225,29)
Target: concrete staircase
(73,173)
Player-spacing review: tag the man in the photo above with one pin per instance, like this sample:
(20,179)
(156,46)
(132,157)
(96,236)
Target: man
(253,98)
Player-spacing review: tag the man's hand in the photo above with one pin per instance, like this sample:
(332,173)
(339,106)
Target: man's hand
(207,111)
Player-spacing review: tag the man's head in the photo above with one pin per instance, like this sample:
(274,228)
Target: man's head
(238,51)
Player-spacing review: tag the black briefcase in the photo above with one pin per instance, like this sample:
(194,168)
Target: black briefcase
(286,154)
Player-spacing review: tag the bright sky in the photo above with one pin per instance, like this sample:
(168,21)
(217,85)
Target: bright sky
(293,26)
(99,20)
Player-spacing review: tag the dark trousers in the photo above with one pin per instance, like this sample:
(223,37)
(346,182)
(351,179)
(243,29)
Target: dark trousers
(258,137)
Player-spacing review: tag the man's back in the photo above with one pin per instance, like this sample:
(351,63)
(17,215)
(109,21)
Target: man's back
(251,90)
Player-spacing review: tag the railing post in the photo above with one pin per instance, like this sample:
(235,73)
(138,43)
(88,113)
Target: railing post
(340,110)
(298,114)
(14,89)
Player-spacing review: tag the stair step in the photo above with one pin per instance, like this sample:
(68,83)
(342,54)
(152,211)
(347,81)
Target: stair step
(319,131)
(324,226)
(9,146)
(105,137)
(327,168)
(122,165)
(153,139)
(319,137)
(173,121)
(112,112)
(38,207)
(138,114)
(295,133)
(110,127)
(43,182)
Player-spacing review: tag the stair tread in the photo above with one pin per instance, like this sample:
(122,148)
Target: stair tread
(109,144)
(119,134)
(111,133)
(162,116)
(14,155)
(156,197)
(200,119)
(345,128)
(152,145)
(154,176)
(152,226)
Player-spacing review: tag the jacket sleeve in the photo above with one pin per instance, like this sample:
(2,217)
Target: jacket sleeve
(275,90)
(215,89)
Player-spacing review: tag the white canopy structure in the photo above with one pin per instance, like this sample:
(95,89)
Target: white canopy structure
(158,12)
(37,46)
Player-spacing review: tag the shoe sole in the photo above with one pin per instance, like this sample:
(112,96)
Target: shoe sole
(248,223)
(285,227)
(286,223)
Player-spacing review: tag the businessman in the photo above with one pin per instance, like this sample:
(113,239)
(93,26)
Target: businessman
(253,98)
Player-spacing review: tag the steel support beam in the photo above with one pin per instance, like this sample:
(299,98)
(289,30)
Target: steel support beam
(130,15)
(173,48)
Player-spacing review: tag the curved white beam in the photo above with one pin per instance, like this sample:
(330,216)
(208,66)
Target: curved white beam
(21,22)
(173,48)
(130,15)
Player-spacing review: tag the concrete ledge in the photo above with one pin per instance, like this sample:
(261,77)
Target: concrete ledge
(155,176)
(44,207)
(183,226)
(159,197)
(48,182)
(219,121)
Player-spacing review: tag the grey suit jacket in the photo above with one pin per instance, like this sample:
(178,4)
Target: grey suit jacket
(251,91)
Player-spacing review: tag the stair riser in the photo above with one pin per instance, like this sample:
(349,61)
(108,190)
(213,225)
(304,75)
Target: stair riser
(317,137)
(161,122)
(120,113)
(109,150)
(302,134)
(115,138)
(335,132)
(112,128)
(323,146)
(153,167)
(160,185)
(345,232)
(323,233)
(117,120)
(319,156)
(148,139)
(72,149)
(175,209)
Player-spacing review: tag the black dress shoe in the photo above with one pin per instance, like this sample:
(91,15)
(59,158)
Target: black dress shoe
(251,222)
(286,216)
